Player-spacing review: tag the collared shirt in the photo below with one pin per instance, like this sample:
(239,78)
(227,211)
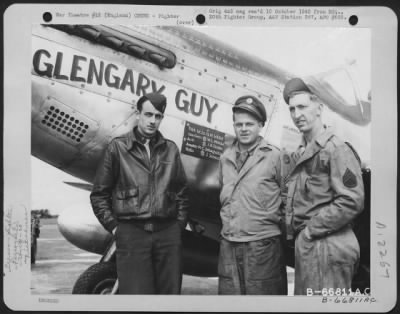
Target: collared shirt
(148,143)
(250,196)
(325,187)
(147,146)
(303,144)
(242,156)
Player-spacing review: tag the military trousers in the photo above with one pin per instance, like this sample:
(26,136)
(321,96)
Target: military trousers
(255,267)
(148,262)
(325,263)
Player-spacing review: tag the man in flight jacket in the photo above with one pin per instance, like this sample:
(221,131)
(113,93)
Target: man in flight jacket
(140,195)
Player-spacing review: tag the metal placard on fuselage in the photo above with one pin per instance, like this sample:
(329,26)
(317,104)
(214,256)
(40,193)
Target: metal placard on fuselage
(202,142)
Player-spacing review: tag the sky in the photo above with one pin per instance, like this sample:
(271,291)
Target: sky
(301,51)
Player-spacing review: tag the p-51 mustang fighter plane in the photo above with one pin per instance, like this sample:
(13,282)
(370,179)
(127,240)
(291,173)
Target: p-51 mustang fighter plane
(86,80)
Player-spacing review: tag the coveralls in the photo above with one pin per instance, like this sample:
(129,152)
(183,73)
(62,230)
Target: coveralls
(325,194)
(251,257)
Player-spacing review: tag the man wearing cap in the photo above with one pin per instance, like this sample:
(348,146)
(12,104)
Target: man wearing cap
(251,254)
(140,195)
(325,194)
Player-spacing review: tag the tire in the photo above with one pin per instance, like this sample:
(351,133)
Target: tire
(33,250)
(97,279)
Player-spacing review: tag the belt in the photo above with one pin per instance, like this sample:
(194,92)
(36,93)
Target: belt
(153,225)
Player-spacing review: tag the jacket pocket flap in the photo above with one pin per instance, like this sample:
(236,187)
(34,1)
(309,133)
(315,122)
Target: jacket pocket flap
(124,194)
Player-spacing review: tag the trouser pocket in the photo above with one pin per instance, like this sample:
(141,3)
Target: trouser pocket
(325,263)
(228,281)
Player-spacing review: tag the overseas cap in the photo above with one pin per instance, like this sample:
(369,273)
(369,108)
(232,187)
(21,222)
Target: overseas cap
(294,85)
(158,101)
(252,105)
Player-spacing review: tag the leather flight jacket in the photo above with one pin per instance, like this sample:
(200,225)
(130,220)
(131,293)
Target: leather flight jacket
(131,186)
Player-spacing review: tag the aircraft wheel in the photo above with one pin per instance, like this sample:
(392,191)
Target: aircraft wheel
(97,279)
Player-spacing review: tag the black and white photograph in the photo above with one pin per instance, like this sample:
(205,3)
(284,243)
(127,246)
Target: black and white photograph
(220,160)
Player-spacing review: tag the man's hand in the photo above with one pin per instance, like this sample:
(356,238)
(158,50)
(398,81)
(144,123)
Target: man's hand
(114,231)
(182,225)
(196,227)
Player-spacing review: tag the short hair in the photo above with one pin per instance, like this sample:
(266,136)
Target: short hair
(159,101)
(139,105)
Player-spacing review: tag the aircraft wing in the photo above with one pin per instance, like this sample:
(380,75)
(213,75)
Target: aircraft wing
(79,185)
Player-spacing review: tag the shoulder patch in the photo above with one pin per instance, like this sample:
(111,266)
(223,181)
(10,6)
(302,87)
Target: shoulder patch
(349,179)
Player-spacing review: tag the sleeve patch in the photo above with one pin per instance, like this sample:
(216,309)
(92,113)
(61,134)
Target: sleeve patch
(349,179)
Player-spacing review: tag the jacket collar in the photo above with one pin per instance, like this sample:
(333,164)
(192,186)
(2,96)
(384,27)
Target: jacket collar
(257,152)
(251,150)
(261,145)
(316,145)
(134,138)
(324,137)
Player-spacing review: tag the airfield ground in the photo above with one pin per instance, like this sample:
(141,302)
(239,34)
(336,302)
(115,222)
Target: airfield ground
(59,264)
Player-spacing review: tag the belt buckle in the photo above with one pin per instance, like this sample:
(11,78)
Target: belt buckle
(149,227)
